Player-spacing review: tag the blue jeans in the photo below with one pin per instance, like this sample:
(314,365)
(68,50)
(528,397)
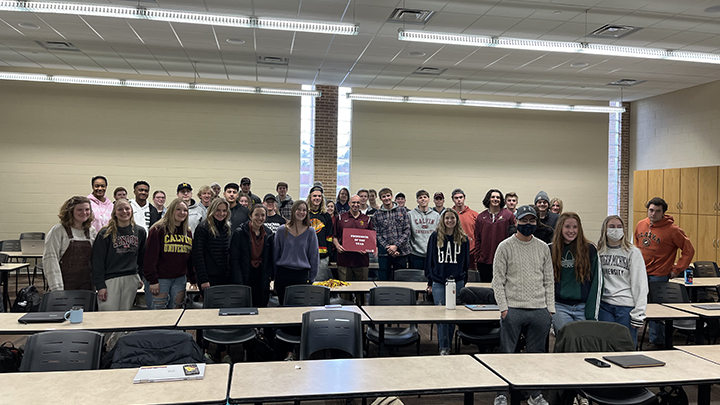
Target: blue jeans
(171,295)
(444,330)
(617,314)
(656,329)
(565,313)
(388,264)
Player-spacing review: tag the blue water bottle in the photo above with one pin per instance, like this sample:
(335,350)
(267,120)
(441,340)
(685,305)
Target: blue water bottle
(688,276)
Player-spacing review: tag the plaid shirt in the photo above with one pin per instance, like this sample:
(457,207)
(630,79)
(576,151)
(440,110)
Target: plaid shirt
(393,228)
(284,207)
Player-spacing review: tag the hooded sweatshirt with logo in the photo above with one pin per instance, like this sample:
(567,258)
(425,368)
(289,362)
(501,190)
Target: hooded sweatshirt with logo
(422,225)
(101,210)
(659,243)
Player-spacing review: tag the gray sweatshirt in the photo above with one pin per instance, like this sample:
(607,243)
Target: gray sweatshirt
(422,225)
(625,281)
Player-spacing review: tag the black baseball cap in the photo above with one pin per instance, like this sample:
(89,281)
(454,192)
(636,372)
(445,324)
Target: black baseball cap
(182,186)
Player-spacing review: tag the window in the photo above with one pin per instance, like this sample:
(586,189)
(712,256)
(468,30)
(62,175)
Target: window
(344,138)
(614,148)
(307,142)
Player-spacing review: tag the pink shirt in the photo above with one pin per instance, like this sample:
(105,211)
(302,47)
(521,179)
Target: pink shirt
(101,210)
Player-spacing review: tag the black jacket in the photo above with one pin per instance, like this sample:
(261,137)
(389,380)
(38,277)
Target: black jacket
(155,215)
(210,253)
(153,347)
(240,266)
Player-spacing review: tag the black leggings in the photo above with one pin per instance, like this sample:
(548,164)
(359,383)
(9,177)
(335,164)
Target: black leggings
(285,276)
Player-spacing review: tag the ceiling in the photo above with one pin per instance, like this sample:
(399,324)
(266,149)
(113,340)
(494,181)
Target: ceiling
(376,59)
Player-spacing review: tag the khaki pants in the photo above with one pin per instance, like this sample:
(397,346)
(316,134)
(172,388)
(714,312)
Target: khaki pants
(352,274)
(121,292)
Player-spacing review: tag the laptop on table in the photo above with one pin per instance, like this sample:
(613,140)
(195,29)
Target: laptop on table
(175,372)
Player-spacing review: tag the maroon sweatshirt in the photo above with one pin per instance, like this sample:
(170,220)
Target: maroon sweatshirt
(168,256)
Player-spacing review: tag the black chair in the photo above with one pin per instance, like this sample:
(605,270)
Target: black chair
(394,336)
(301,295)
(663,292)
(485,336)
(410,275)
(62,351)
(227,296)
(33,235)
(56,301)
(473,276)
(704,269)
(331,329)
(13,245)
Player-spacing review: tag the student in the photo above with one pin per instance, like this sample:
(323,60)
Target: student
(101,207)
(373,200)
(144,214)
(296,251)
(210,245)
(330,206)
(423,222)
(341,204)
(159,198)
(238,213)
(245,188)
(198,212)
(556,206)
(244,200)
(392,226)
(547,217)
(511,201)
(578,279)
(168,262)
(284,200)
(119,193)
(492,226)
(439,201)
(448,255)
(216,189)
(68,247)
(400,199)
(625,285)
(467,221)
(351,265)
(251,256)
(118,254)
(321,222)
(524,290)
(364,207)
(273,219)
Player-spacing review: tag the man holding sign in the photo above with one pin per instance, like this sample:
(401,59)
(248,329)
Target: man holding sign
(352,259)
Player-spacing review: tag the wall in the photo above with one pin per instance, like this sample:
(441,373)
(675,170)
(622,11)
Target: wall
(56,137)
(438,148)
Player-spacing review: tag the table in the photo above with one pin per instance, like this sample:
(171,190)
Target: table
(659,312)
(368,377)
(273,316)
(702,313)
(112,387)
(102,321)
(5,269)
(707,352)
(21,255)
(698,282)
(420,286)
(526,371)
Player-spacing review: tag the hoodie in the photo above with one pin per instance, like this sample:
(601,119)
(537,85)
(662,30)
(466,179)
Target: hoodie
(196,213)
(101,210)
(422,225)
(659,243)
(393,228)
(490,230)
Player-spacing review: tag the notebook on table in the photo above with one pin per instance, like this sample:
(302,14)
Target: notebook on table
(634,361)
(237,311)
(32,246)
(42,317)
(709,307)
(176,372)
(483,307)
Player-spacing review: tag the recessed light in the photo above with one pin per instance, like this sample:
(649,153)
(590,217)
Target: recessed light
(29,26)
(235,41)
(579,64)
(713,9)
(417,54)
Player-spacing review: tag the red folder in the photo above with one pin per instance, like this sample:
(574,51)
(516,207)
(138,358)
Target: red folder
(359,240)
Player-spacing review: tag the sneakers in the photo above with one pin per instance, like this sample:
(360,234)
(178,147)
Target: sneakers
(500,400)
(538,400)
(290,357)
(226,359)
(445,352)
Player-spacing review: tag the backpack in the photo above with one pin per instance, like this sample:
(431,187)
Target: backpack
(27,300)
(672,395)
(10,358)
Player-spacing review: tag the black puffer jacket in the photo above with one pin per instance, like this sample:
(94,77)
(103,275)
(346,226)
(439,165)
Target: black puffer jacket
(210,253)
(153,347)
(240,266)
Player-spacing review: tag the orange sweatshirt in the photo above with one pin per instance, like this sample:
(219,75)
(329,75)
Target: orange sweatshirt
(467,222)
(659,243)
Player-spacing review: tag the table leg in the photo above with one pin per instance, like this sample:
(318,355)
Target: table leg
(515,397)
(693,294)
(699,326)
(668,334)
(469,398)
(704,394)
(381,340)
(5,292)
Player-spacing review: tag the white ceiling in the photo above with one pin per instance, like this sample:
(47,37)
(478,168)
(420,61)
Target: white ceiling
(376,59)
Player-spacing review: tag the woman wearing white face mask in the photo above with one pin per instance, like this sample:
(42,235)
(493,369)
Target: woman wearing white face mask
(625,287)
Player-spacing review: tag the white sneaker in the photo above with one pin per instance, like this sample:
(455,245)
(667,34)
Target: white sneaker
(445,352)
(500,400)
(538,400)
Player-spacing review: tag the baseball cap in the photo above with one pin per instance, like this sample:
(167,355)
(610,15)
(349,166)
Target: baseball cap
(182,186)
(439,194)
(458,191)
(524,211)
(245,180)
(269,196)
(234,186)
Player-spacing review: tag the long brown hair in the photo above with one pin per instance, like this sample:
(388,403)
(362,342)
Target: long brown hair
(458,235)
(66,212)
(295,206)
(112,225)
(578,248)
(214,204)
(168,220)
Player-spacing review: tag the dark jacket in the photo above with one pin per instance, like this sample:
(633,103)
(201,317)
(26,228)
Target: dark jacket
(210,253)
(155,215)
(240,266)
(153,347)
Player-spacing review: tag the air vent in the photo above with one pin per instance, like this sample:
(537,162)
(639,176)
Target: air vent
(613,31)
(411,16)
(426,70)
(626,82)
(273,60)
(57,46)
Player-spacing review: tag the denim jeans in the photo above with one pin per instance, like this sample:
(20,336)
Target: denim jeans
(170,288)
(656,330)
(617,314)
(444,330)
(416,262)
(388,264)
(565,313)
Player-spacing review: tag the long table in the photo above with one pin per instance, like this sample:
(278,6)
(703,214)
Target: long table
(369,377)
(420,286)
(5,269)
(698,282)
(659,312)
(703,314)
(707,352)
(272,316)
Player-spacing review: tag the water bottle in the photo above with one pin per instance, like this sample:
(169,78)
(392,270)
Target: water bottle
(688,276)
(450,295)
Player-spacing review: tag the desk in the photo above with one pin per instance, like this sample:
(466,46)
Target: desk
(102,321)
(706,352)
(702,313)
(369,377)
(112,387)
(274,316)
(420,286)
(525,371)
(5,269)
(20,255)
(698,282)
(659,312)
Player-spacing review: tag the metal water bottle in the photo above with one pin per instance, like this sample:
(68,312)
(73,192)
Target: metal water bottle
(450,294)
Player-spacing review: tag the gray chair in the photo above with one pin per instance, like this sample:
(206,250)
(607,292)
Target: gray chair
(62,351)
(301,295)
(227,296)
(661,292)
(13,245)
(410,275)
(33,235)
(394,336)
(331,329)
(63,300)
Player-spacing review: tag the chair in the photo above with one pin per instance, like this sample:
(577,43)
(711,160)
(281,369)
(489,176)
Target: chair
(331,329)
(228,296)
(301,295)
(61,301)
(13,245)
(704,269)
(410,275)
(473,276)
(33,235)
(394,336)
(666,292)
(484,336)
(596,336)
(62,351)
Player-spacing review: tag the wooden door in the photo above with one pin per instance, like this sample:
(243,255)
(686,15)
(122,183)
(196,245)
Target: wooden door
(708,190)
(654,185)
(671,190)
(705,249)
(689,190)
(640,189)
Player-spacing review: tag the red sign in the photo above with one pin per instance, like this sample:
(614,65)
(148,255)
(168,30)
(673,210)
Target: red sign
(359,240)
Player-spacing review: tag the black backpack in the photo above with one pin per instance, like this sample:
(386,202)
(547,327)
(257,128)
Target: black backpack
(10,358)
(27,300)
(672,395)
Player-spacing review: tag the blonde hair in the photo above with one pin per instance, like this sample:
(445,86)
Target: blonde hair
(322,203)
(560,203)
(167,222)
(214,204)
(458,234)
(112,225)
(204,189)
(66,212)
(624,241)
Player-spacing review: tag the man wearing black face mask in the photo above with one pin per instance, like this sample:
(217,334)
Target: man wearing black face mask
(524,286)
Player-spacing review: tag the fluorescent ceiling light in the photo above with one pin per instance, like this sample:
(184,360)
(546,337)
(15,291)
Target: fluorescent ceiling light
(156,14)
(148,84)
(483,103)
(556,46)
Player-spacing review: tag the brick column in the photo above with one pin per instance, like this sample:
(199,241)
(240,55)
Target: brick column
(326,117)
(624,203)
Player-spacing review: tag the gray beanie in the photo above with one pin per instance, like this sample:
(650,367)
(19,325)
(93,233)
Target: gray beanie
(542,196)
